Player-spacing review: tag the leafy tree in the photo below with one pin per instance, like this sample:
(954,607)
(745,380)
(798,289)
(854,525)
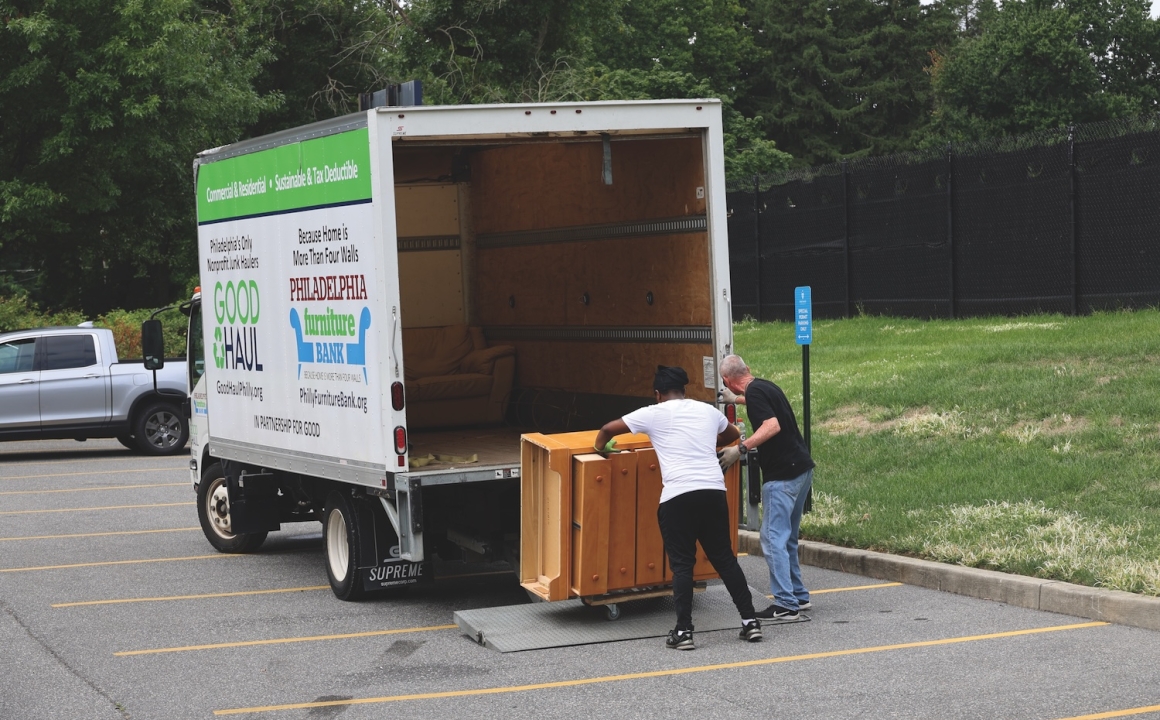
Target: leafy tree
(1039,64)
(104,106)
(674,49)
(319,54)
(472,51)
(707,40)
(847,78)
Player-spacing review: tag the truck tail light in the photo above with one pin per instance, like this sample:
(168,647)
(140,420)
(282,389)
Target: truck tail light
(731,413)
(401,440)
(397,395)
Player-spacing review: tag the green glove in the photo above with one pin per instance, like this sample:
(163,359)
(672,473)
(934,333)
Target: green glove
(609,448)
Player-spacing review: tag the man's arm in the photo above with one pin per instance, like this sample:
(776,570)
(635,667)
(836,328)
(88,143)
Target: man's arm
(614,427)
(730,434)
(768,429)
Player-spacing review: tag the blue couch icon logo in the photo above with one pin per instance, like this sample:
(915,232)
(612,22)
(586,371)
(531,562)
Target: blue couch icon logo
(328,326)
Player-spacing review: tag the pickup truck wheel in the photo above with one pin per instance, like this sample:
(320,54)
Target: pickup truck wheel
(340,536)
(213,510)
(160,429)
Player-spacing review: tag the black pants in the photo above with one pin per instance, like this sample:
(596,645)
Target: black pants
(701,515)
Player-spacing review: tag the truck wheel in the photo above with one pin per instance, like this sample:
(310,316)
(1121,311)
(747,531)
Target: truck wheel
(128,441)
(160,429)
(340,536)
(213,510)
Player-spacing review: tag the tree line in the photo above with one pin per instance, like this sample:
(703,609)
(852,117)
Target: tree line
(104,103)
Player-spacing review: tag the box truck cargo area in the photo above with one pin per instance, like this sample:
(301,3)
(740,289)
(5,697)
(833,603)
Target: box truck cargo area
(590,285)
(441,280)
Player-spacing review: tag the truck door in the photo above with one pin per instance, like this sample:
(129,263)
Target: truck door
(73,383)
(19,385)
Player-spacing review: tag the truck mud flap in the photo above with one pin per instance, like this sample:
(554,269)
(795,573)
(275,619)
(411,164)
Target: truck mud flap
(253,500)
(395,573)
(380,565)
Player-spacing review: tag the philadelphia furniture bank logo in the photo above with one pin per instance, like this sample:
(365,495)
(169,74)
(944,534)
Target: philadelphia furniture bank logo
(330,336)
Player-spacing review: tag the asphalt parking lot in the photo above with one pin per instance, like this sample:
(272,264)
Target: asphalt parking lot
(113,605)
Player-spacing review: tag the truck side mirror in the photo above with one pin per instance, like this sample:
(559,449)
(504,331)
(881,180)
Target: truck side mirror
(152,345)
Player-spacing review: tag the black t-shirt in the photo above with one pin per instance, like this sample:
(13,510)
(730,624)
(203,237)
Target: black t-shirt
(783,456)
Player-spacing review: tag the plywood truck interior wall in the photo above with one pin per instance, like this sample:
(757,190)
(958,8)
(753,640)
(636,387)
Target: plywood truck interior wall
(594,284)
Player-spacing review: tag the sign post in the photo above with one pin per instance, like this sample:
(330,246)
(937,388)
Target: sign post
(804,332)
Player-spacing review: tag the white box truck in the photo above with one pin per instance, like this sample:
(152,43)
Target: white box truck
(388,299)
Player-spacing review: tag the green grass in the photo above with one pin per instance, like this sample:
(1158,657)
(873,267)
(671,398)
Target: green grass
(1029,445)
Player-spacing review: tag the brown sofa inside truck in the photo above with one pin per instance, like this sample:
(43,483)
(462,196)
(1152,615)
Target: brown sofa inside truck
(452,377)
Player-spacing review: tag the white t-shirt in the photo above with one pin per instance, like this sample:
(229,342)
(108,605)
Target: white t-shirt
(684,434)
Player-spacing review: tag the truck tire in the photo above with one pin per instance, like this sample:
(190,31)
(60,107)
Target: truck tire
(213,510)
(340,538)
(160,429)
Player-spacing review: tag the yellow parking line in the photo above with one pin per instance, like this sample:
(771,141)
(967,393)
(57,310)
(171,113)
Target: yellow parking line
(855,587)
(117,562)
(90,472)
(98,534)
(107,507)
(279,641)
(656,673)
(122,457)
(90,489)
(1117,713)
(191,597)
(207,596)
(230,645)
(852,587)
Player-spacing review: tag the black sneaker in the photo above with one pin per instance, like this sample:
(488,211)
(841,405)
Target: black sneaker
(777,614)
(751,631)
(680,640)
(807,605)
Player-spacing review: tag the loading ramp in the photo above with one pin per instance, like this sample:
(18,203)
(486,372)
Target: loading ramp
(542,625)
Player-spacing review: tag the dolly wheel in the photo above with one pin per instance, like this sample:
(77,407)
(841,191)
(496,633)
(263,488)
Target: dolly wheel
(612,611)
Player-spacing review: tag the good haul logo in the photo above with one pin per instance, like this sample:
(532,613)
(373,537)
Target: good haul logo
(235,339)
(330,336)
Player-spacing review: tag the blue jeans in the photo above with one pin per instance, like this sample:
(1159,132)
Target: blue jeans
(782,501)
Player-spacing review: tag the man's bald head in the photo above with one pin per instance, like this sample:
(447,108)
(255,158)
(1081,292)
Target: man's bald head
(734,368)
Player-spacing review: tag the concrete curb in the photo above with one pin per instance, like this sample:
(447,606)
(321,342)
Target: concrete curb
(1114,606)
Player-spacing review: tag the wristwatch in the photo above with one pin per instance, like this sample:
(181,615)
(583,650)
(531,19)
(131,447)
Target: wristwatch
(742,449)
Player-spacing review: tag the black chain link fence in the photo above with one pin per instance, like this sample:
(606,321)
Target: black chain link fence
(1058,221)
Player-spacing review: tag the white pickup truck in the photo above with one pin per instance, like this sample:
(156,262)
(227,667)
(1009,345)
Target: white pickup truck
(67,382)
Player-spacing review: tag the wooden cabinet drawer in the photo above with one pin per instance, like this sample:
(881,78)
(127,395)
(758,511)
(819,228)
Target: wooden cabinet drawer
(650,547)
(622,522)
(591,503)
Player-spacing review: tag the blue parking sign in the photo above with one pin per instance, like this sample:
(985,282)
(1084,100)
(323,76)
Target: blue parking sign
(803,315)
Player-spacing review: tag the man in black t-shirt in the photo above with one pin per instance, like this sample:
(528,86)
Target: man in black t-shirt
(787,474)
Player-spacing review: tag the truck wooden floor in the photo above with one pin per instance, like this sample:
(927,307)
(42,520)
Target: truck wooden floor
(491,446)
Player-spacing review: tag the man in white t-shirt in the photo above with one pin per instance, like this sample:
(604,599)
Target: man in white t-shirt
(686,434)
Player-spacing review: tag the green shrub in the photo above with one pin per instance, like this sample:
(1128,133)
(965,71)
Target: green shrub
(126,328)
(17,313)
